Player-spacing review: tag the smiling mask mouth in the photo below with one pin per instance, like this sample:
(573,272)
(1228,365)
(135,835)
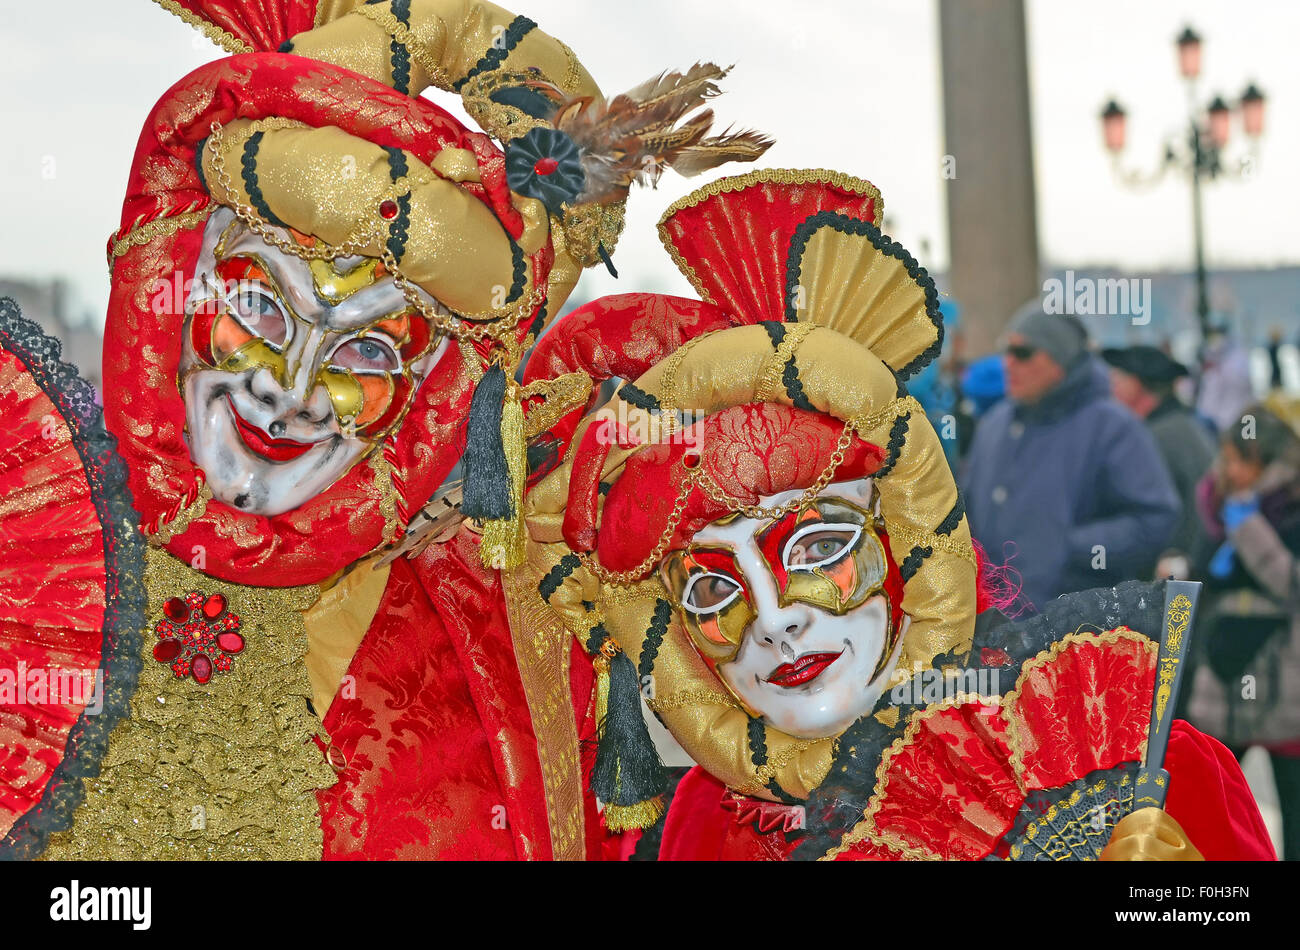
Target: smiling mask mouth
(264,444)
(803,670)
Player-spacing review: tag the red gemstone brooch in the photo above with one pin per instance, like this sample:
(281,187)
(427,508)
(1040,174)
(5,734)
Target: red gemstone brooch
(197,636)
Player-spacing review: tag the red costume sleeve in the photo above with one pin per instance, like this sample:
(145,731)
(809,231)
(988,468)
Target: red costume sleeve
(1209,798)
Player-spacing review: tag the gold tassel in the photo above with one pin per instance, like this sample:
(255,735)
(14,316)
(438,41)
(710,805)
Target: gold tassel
(504,538)
(632,817)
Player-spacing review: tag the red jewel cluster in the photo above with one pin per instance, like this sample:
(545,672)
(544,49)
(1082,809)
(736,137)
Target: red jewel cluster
(197,636)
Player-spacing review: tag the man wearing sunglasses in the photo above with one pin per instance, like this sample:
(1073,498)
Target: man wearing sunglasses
(1062,480)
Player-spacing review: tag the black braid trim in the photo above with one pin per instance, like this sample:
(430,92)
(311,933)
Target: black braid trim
(912,563)
(897,434)
(654,637)
(400,56)
(520,27)
(556,575)
(757,742)
(398,230)
(775,331)
(519,280)
(794,386)
(641,399)
(596,639)
(198,162)
(885,245)
(949,524)
(249,162)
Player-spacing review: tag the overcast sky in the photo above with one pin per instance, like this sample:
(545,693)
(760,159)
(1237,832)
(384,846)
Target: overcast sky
(852,85)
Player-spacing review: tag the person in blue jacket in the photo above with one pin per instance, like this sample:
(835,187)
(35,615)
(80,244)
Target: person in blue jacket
(1062,481)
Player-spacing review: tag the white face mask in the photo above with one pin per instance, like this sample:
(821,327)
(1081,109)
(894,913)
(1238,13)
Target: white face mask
(806,670)
(267,431)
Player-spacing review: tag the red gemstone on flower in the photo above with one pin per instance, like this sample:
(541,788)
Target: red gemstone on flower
(213,606)
(222,662)
(201,667)
(231,642)
(388,209)
(545,166)
(194,598)
(176,610)
(991,656)
(166,651)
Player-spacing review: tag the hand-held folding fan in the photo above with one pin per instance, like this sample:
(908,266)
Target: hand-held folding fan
(71,595)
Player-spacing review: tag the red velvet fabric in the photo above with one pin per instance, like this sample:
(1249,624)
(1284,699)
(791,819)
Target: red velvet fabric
(1208,797)
(437,736)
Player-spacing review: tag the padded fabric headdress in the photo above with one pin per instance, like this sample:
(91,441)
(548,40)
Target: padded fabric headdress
(812,309)
(327,136)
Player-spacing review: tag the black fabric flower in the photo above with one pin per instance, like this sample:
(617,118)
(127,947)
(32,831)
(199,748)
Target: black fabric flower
(545,164)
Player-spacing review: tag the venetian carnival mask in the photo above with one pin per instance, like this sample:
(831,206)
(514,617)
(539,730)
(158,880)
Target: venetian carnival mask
(791,613)
(291,370)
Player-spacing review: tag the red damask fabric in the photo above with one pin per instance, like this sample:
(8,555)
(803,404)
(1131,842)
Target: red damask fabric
(441,759)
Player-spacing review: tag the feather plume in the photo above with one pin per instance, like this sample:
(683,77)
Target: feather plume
(634,136)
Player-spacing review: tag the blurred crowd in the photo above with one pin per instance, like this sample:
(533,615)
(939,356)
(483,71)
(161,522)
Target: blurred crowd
(1083,468)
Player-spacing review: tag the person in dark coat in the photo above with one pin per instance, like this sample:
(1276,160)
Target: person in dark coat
(1143,378)
(1062,480)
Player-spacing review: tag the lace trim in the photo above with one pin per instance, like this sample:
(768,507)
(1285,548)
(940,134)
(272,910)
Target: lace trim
(223,770)
(124,597)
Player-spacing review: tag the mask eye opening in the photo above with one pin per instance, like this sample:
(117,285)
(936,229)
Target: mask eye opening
(712,608)
(850,532)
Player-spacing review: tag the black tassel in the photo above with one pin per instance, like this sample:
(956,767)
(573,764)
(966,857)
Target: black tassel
(628,771)
(486,488)
(604,256)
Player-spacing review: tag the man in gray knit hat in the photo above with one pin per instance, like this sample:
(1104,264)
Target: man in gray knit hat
(1061,479)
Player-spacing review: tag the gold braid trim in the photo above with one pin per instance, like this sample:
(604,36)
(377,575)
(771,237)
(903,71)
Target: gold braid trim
(561,395)
(691,698)
(771,378)
(219,771)
(769,769)
(227,41)
(164,531)
(383,473)
(781,176)
(142,234)
(385,20)
(906,537)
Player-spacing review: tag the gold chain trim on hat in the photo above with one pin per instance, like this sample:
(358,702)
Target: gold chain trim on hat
(227,41)
(626,578)
(142,234)
(695,476)
(496,324)
(759,512)
(223,770)
(385,20)
(574,75)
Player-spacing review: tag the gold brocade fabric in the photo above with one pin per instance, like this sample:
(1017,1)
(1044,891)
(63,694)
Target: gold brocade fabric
(225,770)
(542,647)
(336,624)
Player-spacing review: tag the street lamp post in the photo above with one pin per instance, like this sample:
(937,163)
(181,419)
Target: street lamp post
(1208,133)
